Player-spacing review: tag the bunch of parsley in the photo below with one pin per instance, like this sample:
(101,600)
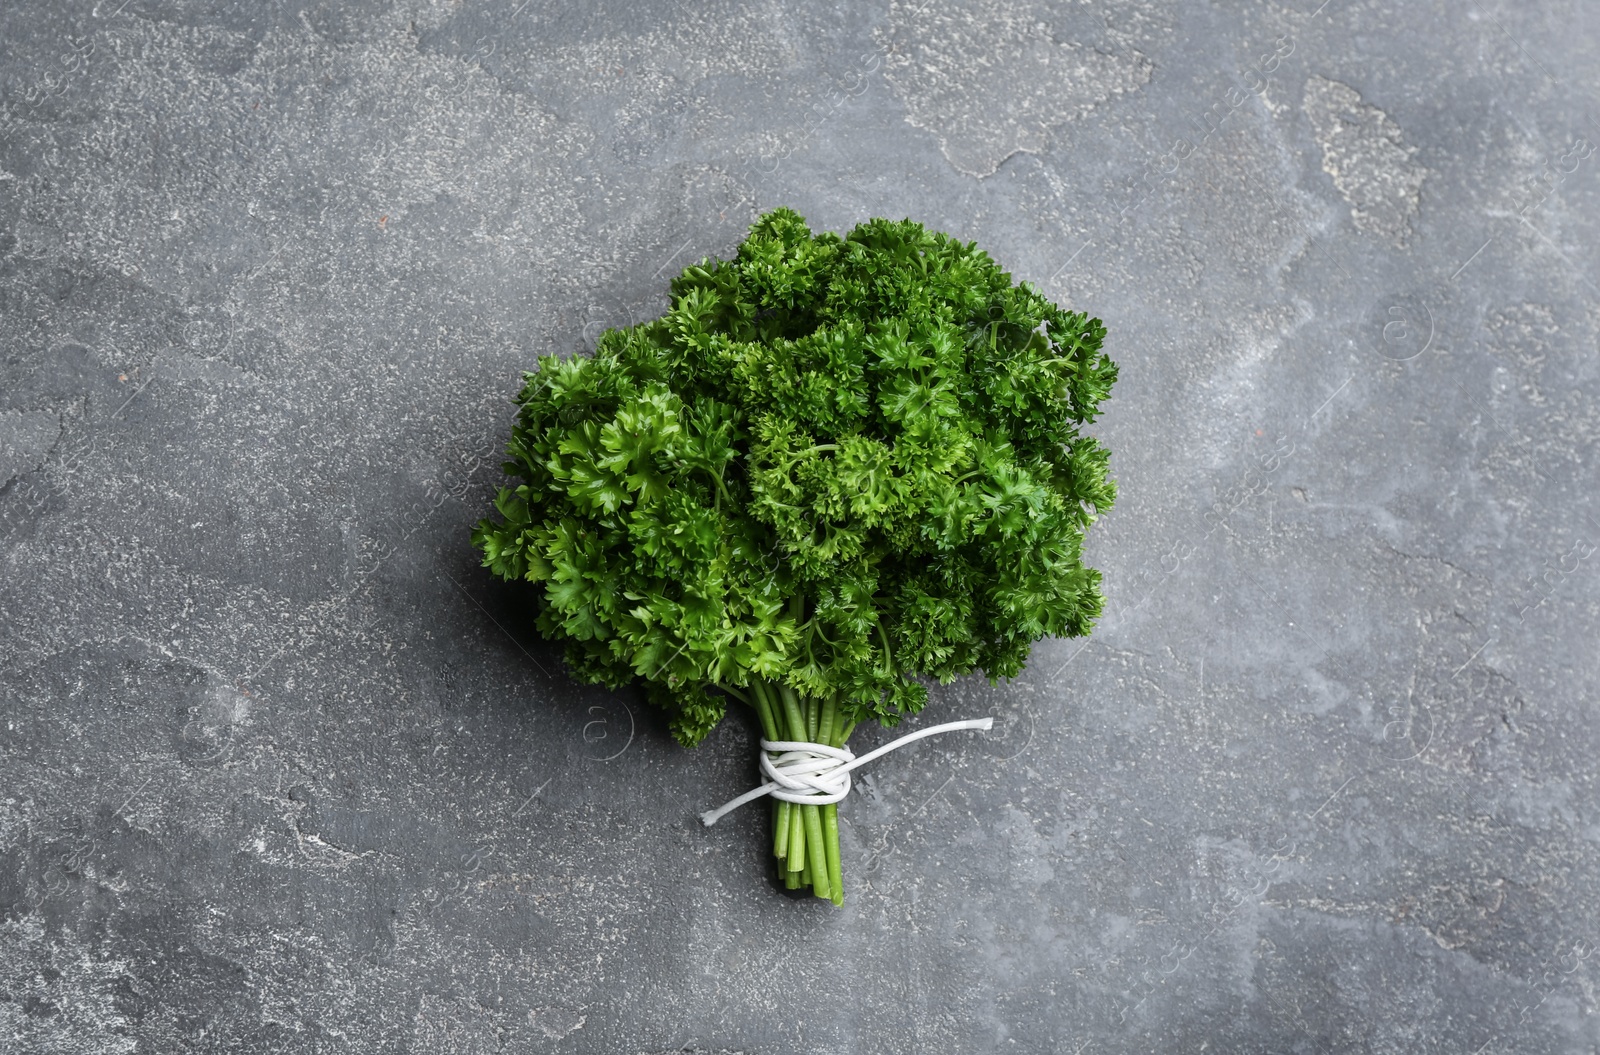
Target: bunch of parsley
(835,467)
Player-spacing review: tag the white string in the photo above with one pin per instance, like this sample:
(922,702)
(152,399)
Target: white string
(800,771)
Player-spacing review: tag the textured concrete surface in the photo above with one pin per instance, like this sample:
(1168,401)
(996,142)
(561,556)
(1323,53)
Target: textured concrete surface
(282,770)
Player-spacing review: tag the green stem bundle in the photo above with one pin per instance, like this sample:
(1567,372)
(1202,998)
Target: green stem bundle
(805,837)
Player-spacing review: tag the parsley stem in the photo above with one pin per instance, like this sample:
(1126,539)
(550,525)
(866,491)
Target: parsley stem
(763,706)
(816,855)
(770,726)
(830,812)
(785,464)
(799,829)
(805,830)
(816,844)
(797,836)
(779,829)
(792,713)
(830,841)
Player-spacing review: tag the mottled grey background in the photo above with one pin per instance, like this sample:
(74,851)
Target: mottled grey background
(281,769)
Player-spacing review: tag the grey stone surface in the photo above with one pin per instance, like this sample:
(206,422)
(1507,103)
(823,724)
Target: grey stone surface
(282,770)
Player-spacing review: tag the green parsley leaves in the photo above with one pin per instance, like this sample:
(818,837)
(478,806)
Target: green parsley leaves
(836,464)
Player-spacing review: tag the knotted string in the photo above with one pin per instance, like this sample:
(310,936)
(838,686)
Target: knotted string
(801,771)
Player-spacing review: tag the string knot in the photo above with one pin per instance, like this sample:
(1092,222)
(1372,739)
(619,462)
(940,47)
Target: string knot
(805,772)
